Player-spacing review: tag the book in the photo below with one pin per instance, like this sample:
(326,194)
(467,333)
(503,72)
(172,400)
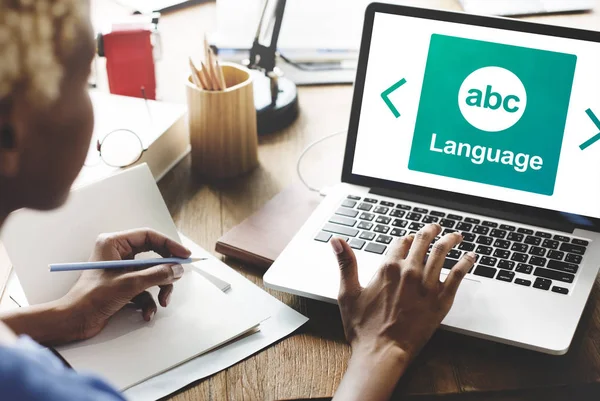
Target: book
(129,350)
(161,126)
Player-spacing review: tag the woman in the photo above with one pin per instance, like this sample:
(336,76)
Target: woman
(46,124)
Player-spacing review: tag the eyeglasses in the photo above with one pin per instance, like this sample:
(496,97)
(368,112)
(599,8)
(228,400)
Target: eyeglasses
(119,148)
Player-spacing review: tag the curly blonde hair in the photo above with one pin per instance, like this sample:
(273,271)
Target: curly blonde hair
(36,37)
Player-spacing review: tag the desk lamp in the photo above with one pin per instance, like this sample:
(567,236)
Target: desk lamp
(275,97)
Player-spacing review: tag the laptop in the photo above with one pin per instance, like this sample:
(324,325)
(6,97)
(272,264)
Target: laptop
(478,124)
(525,7)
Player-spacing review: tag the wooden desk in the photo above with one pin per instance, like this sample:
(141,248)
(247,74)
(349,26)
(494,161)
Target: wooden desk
(311,362)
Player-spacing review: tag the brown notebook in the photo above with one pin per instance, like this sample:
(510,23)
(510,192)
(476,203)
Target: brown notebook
(260,238)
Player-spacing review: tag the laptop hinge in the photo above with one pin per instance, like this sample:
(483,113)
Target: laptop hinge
(475,209)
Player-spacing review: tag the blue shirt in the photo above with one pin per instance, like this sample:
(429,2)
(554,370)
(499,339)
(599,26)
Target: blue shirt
(29,372)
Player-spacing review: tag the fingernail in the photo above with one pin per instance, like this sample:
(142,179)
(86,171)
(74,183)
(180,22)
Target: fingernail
(168,299)
(152,315)
(337,246)
(472,255)
(177,271)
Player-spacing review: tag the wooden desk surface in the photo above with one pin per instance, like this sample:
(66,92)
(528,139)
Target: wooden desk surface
(311,362)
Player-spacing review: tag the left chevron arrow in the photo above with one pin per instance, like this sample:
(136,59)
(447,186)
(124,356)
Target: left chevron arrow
(386,93)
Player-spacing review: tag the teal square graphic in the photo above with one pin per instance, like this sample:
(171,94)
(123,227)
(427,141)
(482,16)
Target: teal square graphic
(446,143)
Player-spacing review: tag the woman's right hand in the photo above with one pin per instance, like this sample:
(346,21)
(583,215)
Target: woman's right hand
(389,321)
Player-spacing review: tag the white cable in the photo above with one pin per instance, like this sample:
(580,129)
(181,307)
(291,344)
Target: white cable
(306,149)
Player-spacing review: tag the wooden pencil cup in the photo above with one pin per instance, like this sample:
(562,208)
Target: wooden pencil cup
(223,126)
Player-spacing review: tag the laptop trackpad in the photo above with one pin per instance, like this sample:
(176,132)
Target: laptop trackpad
(466,297)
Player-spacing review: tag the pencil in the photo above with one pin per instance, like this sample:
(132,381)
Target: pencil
(195,76)
(120,264)
(207,76)
(212,70)
(220,75)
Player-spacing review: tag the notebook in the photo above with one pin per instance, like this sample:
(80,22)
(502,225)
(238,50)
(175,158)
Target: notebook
(128,351)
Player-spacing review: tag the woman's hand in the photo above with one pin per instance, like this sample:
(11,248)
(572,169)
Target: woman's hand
(388,322)
(99,294)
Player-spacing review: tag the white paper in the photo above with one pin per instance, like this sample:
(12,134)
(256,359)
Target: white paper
(34,239)
(283,321)
(130,350)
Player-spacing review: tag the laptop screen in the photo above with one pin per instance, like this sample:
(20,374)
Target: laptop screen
(493,113)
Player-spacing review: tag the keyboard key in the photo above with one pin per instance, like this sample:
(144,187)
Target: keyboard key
(342,211)
(403,207)
(353,197)
(537,261)
(489,224)
(563,266)
(468,237)
(349,203)
(398,232)
(365,225)
(531,240)
(420,210)
(580,242)
(519,257)
(560,290)
(557,255)
(386,203)
(430,219)
(501,253)
(381,210)
(472,220)
(454,254)
(524,231)
(466,246)
(384,239)
(483,250)
(481,230)
(576,249)
(397,213)
(488,261)
(520,281)
(323,237)
(554,275)
(548,243)
(375,248)
(345,221)
(342,237)
(524,268)
(347,231)
(383,220)
(437,214)
(447,223)
(506,264)
(416,226)
(562,238)
(367,216)
(356,243)
(462,226)
(573,258)
(448,231)
(371,200)
(485,271)
(542,283)
(505,275)
(365,206)
(399,223)
(367,235)
(498,233)
(500,243)
(380,228)
(543,234)
(507,227)
(519,248)
(482,239)
(515,237)
(414,216)
(454,217)
(537,251)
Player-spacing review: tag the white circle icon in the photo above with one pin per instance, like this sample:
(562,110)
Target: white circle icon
(492,99)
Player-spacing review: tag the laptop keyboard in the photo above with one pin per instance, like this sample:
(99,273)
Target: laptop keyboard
(506,252)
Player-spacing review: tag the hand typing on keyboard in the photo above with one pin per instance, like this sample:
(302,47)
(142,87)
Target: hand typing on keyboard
(388,322)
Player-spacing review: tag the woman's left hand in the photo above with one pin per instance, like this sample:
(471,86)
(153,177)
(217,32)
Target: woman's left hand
(99,294)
